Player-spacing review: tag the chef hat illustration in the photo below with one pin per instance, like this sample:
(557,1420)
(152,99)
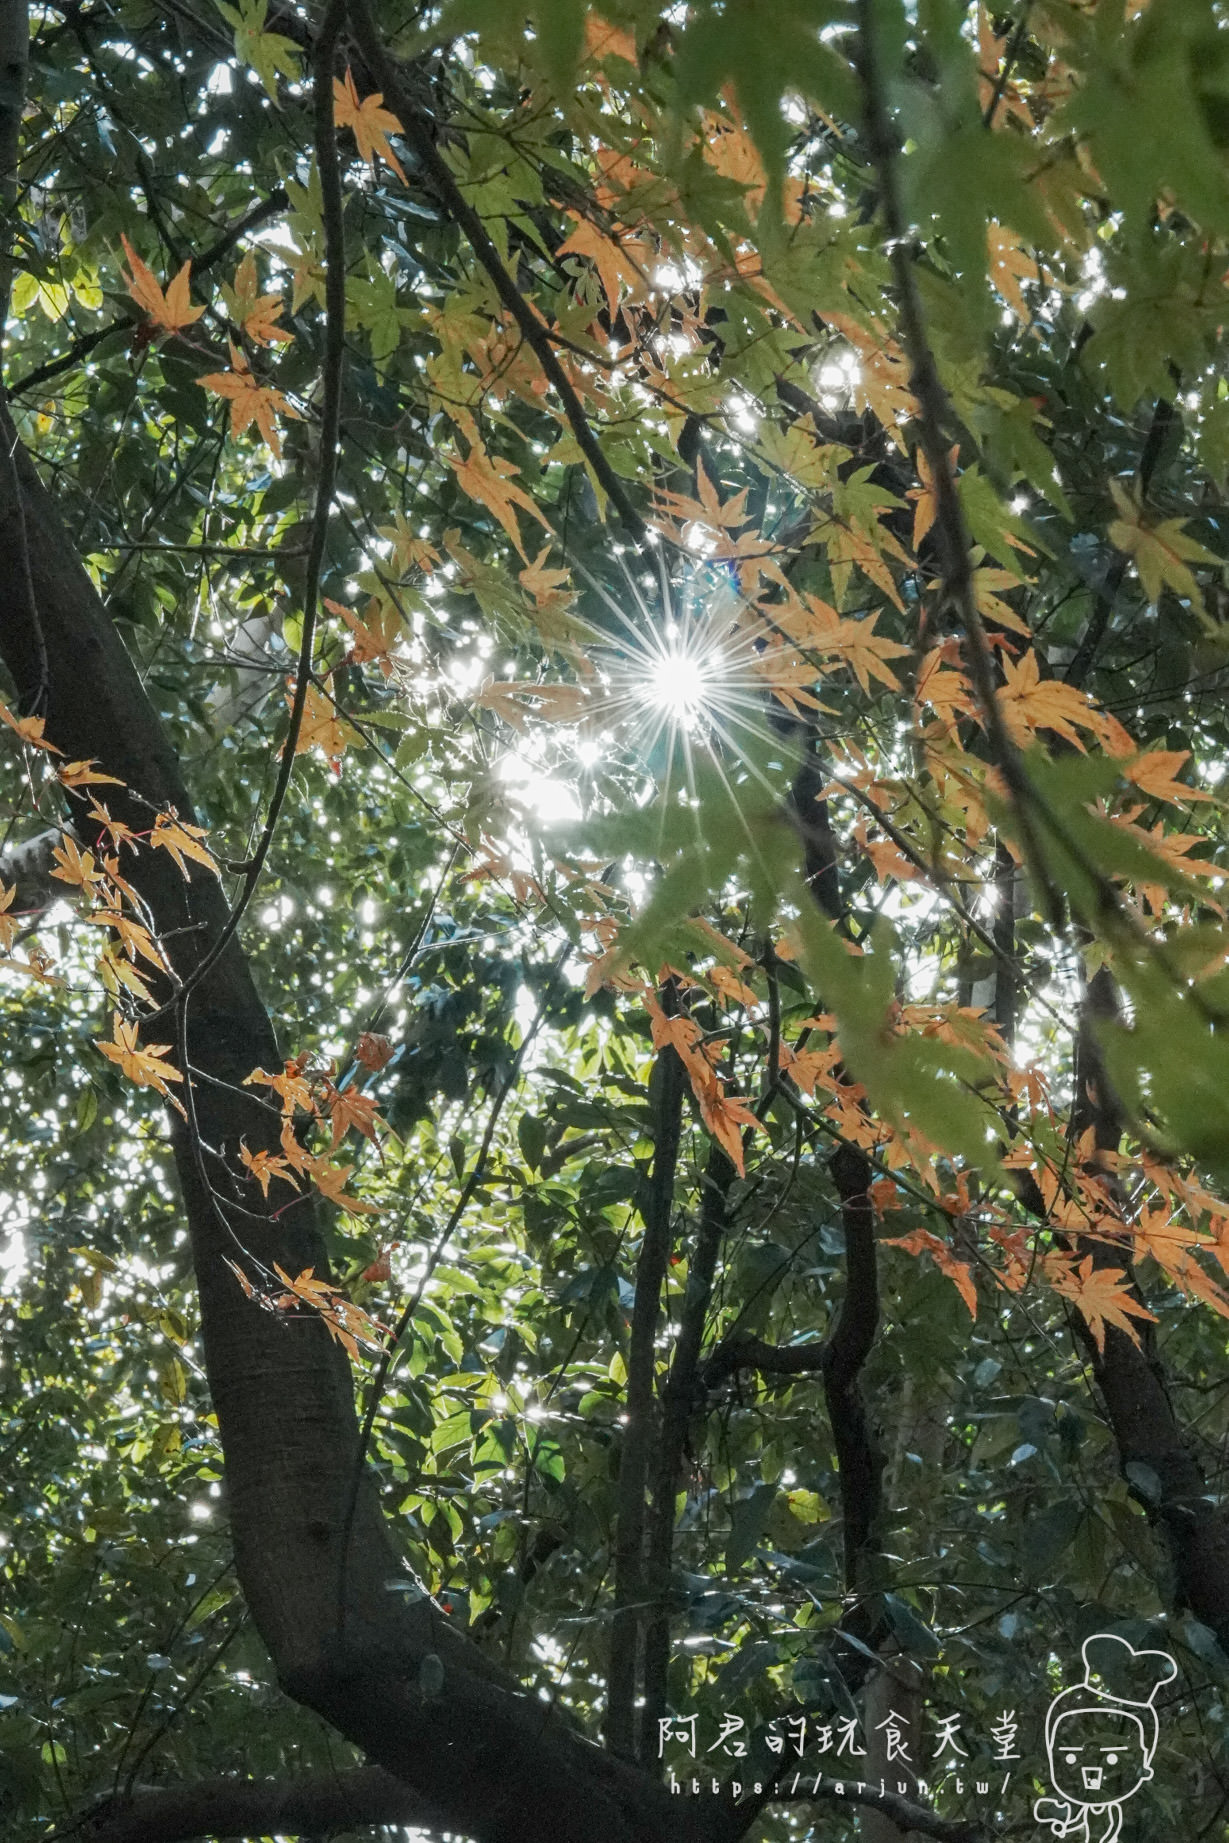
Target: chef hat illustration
(1117,1676)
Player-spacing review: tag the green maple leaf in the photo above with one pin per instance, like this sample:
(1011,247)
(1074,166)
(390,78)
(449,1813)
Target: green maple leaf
(267,53)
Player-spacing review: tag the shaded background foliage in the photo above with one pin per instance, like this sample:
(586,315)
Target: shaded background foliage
(416,889)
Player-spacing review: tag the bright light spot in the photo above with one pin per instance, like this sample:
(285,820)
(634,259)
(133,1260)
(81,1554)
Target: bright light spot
(13,1258)
(681,685)
(200,1513)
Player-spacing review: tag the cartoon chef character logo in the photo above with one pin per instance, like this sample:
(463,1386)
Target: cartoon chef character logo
(1101,1735)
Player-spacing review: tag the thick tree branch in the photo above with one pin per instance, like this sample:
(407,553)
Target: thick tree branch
(678,1404)
(534,331)
(504,1767)
(1156,1459)
(315,1804)
(666,1104)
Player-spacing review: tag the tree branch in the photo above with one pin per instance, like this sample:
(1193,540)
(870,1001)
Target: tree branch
(82,346)
(678,1404)
(666,1104)
(317,1804)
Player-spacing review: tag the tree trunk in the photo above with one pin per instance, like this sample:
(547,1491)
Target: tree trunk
(343,1641)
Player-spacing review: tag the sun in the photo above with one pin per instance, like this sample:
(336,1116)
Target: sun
(680,685)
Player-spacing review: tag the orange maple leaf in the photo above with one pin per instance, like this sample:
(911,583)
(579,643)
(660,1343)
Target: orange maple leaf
(290,1085)
(619,273)
(926,496)
(30,729)
(1102,1296)
(960,1273)
(816,624)
(323,727)
(256,313)
(1030,703)
(490,479)
(147,1067)
(136,938)
(375,635)
(330,1180)
(171,311)
(349,1107)
(604,39)
(725,1115)
(115,829)
(265,1166)
(371,124)
(76,866)
(183,841)
(250,401)
(84,774)
(1156,774)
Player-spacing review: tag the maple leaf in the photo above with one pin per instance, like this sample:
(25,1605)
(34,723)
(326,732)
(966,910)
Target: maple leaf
(297,1156)
(925,496)
(76,866)
(725,1115)
(942,685)
(323,727)
(546,586)
(380,1270)
(253,311)
(866,546)
(1010,265)
(1102,1295)
(888,859)
(604,39)
(30,729)
(1029,703)
(183,841)
(82,774)
(489,479)
(371,124)
(265,1166)
(1161,551)
(171,311)
(514,700)
(375,635)
(1173,850)
(373,1051)
(290,1085)
(810,1068)
(619,273)
(410,550)
(991,606)
(731,987)
(681,1032)
(116,830)
(250,401)
(960,1273)
(349,1107)
(242,1278)
(815,624)
(268,53)
(115,971)
(1155,773)
(147,1067)
(9,923)
(135,938)
(330,1180)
